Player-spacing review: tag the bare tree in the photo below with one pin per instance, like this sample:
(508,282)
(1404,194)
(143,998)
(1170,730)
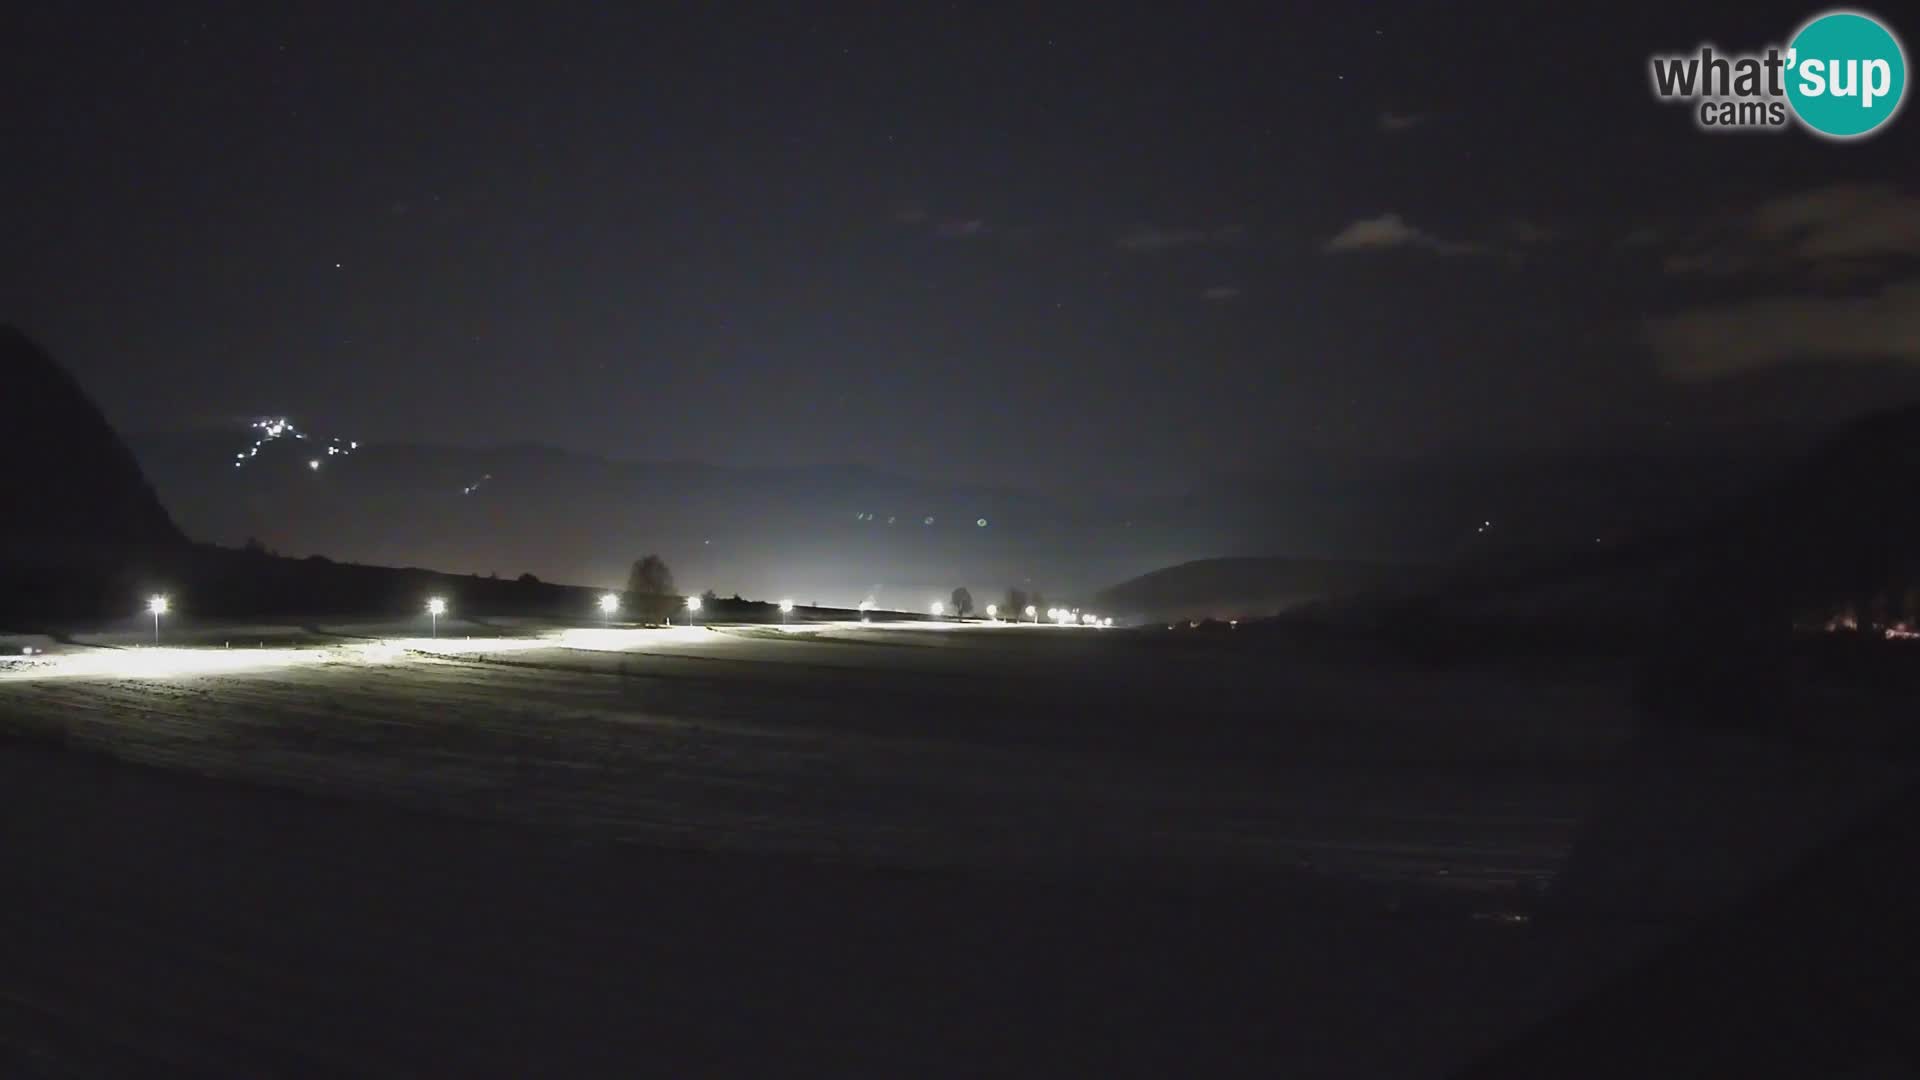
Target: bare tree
(962,602)
(650,588)
(650,577)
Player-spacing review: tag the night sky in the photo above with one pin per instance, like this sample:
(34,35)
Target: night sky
(1125,247)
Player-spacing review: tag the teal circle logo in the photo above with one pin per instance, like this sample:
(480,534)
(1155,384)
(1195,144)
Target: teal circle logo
(1846,74)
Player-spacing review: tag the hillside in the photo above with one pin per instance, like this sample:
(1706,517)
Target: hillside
(70,488)
(85,537)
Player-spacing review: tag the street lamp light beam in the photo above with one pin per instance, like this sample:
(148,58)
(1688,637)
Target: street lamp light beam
(157,604)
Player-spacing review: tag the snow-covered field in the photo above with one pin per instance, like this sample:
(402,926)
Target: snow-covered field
(912,850)
(908,745)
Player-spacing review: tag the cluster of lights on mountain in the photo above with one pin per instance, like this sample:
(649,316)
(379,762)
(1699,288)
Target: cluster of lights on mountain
(271,428)
(978,523)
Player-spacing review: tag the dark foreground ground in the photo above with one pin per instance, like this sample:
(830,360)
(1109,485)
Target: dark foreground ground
(866,851)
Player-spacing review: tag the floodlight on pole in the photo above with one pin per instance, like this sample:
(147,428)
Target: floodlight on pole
(157,604)
(938,609)
(693,608)
(609,604)
(993,612)
(786,608)
(436,607)
(1033,613)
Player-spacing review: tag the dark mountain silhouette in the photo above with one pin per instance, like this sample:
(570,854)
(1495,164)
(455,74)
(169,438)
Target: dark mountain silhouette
(1833,544)
(71,490)
(1839,536)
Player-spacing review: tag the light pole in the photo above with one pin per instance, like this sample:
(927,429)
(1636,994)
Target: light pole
(608,605)
(436,607)
(938,609)
(786,606)
(693,608)
(157,604)
(993,612)
(865,606)
(1033,613)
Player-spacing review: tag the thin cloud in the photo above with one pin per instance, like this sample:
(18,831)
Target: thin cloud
(1523,234)
(1151,238)
(1830,232)
(1843,221)
(1389,232)
(1645,236)
(1393,123)
(961,230)
(1708,264)
(1720,340)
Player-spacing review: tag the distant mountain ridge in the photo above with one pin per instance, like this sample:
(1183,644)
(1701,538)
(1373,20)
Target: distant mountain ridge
(836,533)
(845,532)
